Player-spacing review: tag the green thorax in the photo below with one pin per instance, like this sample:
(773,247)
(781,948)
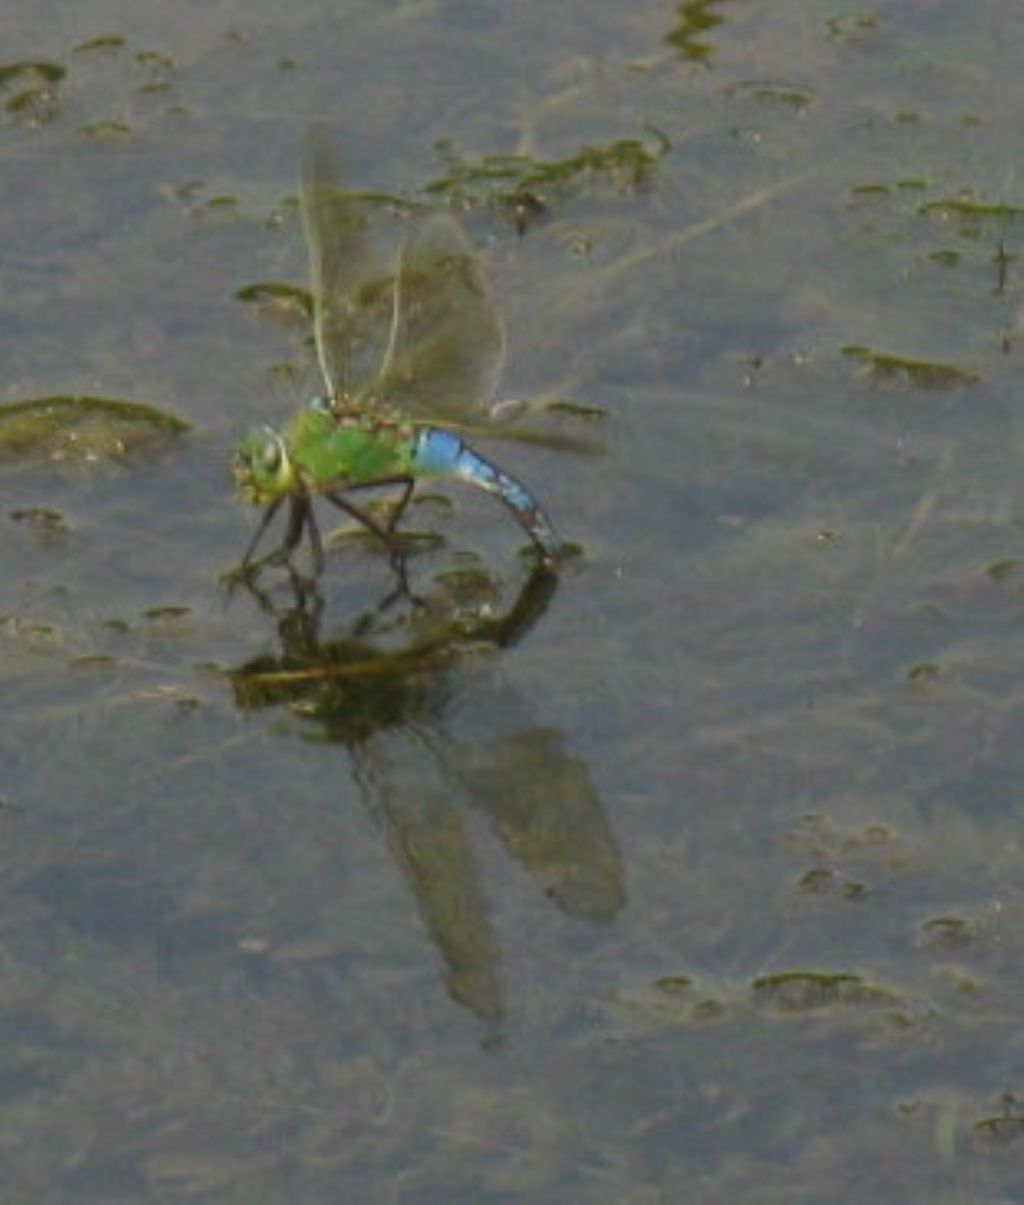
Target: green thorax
(331,452)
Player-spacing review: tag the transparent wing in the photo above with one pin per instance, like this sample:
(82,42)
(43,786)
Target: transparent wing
(446,346)
(341,263)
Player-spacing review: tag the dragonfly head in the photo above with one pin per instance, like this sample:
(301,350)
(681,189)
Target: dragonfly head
(262,468)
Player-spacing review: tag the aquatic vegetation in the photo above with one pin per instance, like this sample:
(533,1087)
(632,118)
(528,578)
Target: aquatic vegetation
(83,428)
(527,187)
(924,374)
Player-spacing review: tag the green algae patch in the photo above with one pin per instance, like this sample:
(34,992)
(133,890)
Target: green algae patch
(690,35)
(824,881)
(82,428)
(792,96)
(44,519)
(969,208)
(922,374)
(106,131)
(674,1002)
(948,932)
(923,671)
(105,44)
(31,73)
(576,409)
(1002,1129)
(527,186)
(797,992)
(1000,570)
(275,297)
(30,91)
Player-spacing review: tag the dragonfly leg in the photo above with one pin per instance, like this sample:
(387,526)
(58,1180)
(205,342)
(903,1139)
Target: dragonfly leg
(298,514)
(403,502)
(408,483)
(342,503)
(386,533)
(315,542)
(268,515)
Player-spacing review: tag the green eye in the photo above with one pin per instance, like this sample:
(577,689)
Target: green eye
(270,456)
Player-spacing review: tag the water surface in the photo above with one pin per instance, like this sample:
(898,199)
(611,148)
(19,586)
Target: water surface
(696,877)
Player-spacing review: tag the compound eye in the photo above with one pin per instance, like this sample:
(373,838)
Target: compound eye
(270,456)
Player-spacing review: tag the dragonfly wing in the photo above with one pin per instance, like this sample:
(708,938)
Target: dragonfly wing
(447,343)
(341,261)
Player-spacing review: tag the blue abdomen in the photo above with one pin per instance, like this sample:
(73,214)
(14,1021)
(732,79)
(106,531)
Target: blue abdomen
(440,453)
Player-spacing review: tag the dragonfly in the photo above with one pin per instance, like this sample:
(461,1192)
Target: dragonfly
(409,358)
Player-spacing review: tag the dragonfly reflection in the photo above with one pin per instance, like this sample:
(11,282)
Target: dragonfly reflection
(386,689)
